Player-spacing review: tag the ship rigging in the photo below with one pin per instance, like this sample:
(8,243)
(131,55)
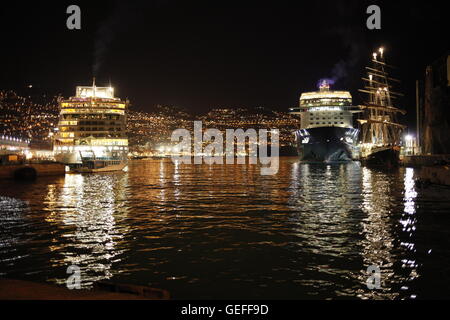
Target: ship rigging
(380,130)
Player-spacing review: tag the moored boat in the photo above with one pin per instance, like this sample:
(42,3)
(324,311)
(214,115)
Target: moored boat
(95,166)
(91,135)
(381,132)
(326,132)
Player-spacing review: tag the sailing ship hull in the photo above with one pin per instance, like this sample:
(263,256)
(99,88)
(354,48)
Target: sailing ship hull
(381,132)
(325,144)
(386,158)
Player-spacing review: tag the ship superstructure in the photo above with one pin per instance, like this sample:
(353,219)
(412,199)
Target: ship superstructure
(91,133)
(380,130)
(326,131)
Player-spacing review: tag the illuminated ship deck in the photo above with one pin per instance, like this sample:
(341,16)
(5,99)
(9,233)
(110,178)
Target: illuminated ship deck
(91,125)
(326,130)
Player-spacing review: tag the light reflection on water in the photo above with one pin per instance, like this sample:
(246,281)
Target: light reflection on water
(87,206)
(227,232)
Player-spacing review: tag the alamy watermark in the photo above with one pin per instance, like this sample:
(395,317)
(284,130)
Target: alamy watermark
(74,20)
(374,280)
(208,147)
(374,20)
(74,280)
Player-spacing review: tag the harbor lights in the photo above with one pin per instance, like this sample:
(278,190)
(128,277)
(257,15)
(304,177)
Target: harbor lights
(381,50)
(410,142)
(375,55)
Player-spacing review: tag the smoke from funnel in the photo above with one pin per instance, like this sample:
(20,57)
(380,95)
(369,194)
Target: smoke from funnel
(104,39)
(352,42)
(350,33)
(106,34)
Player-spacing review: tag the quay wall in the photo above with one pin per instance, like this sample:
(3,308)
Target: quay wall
(42,170)
(429,160)
(435,175)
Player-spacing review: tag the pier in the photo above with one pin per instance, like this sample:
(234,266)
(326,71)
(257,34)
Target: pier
(425,160)
(433,169)
(31,171)
(25,290)
(439,175)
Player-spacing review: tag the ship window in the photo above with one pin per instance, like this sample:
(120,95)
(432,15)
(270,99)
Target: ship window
(342,123)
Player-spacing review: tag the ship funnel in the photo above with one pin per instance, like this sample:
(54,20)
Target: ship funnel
(324,86)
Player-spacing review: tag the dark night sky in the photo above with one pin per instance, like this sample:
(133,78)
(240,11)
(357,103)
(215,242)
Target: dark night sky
(204,54)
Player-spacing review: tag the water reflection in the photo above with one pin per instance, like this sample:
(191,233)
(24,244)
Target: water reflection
(381,244)
(226,231)
(322,200)
(377,230)
(86,208)
(409,221)
(11,218)
(334,203)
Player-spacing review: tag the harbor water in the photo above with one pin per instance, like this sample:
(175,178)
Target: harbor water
(226,231)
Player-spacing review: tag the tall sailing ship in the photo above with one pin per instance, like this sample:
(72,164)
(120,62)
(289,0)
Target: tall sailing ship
(326,131)
(91,134)
(380,130)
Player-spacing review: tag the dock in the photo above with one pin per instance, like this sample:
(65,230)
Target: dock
(25,290)
(425,160)
(439,175)
(31,171)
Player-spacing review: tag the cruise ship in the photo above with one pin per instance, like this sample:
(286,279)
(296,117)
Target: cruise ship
(326,131)
(91,134)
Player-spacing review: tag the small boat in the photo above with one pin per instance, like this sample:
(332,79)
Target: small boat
(93,166)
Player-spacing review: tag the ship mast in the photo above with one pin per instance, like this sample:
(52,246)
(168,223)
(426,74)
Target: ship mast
(379,125)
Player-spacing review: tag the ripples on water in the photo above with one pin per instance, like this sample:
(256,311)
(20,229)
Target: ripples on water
(311,231)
